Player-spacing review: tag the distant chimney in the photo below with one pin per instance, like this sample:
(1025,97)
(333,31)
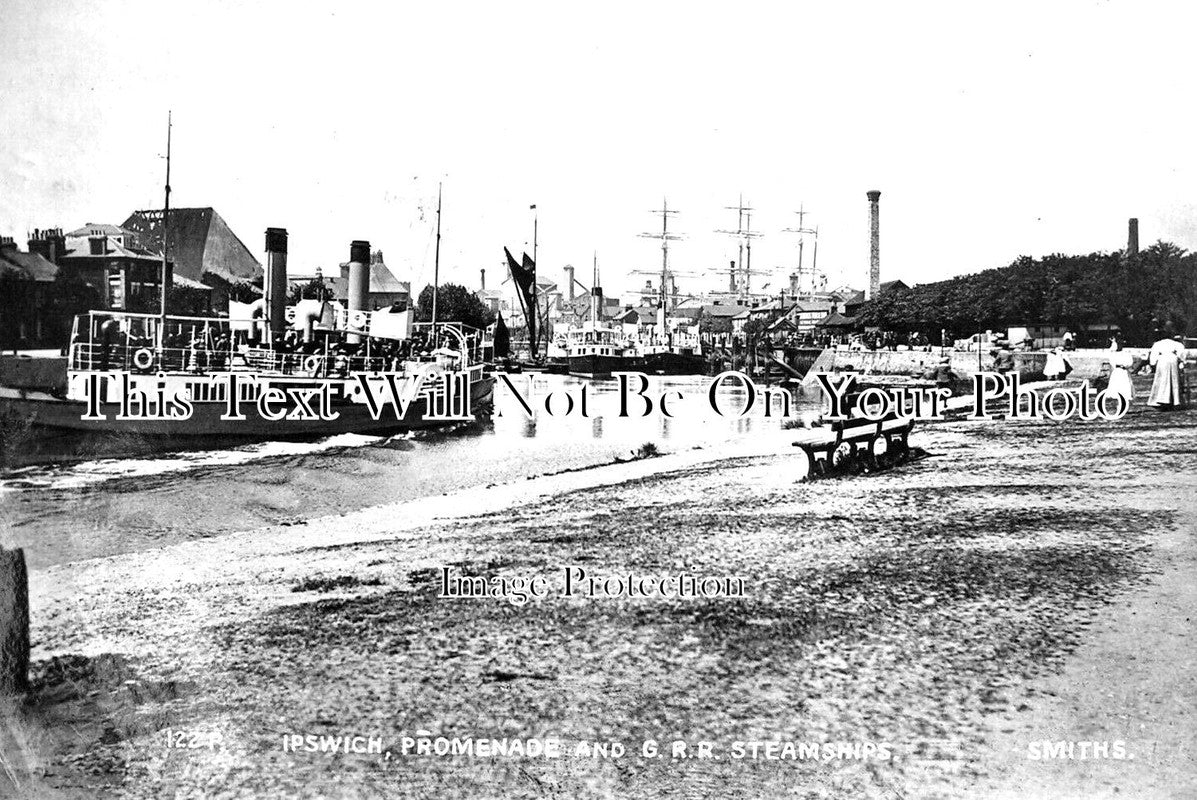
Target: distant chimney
(731,277)
(7,243)
(1132,237)
(569,281)
(49,243)
(483,271)
(874,245)
(794,284)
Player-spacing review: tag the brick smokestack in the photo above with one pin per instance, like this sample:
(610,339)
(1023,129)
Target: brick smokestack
(874,288)
(731,277)
(793,284)
(274,282)
(569,282)
(1132,237)
(483,270)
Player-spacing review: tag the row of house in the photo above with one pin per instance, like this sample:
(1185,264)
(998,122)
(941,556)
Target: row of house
(105,266)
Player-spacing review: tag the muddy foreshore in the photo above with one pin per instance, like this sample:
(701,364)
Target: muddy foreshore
(952,609)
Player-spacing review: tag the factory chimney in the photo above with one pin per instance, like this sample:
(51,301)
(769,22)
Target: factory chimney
(731,277)
(483,279)
(569,281)
(359,279)
(274,282)
(874,288)
(1132,237)
(794,284)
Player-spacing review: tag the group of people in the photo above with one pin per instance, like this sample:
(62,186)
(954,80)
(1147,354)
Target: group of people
(1166,360)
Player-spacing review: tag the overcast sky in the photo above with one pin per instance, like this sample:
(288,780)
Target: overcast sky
(993,130)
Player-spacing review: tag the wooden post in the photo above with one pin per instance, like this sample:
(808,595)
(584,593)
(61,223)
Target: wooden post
(14,622)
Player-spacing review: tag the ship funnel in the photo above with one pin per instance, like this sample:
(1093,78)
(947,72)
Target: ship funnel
(274,283)
(359,281)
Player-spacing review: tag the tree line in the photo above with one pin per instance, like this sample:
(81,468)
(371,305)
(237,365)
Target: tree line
(1144,294)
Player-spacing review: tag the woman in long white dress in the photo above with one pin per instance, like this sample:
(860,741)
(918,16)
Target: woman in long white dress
(1055,368)
(1167,359)
(1120,379)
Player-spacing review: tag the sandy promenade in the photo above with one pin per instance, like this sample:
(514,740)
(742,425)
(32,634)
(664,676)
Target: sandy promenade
(1027,583)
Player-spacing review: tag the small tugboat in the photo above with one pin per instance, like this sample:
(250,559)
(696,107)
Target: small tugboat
(596,348)
(672,349)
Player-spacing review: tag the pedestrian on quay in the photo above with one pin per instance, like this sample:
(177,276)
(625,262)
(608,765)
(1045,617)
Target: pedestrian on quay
(1003,361)
(1120,364)
(1056,366)
(1167,359)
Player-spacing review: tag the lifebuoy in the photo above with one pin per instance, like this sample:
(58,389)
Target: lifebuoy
(311,365)
(143,359)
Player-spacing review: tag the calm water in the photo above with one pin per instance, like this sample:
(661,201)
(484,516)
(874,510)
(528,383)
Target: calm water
(100,506)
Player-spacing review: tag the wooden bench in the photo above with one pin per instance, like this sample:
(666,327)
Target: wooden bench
(854,445)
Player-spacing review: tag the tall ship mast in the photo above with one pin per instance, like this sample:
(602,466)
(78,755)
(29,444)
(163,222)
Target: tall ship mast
(818,282)
(674,348)
(741,270)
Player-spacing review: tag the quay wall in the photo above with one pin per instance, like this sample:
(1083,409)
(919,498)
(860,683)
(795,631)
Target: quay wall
(33,372)
(1085,363)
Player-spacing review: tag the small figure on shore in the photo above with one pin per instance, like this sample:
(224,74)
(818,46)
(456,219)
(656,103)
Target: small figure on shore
(1167,359)
(1120,364)
(1056,366)
(1003,360)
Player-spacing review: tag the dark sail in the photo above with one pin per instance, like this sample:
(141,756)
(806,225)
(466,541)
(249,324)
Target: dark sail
(524,276)
(502,338)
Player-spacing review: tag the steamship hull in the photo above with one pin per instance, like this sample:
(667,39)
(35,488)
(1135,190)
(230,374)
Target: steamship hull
(41,410)
(600,367)
(671,363)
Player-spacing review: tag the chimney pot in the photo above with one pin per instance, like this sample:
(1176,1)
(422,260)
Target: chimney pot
(359,251)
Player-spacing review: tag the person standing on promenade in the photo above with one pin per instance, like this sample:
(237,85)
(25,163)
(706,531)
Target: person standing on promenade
(1003,360)
(1167,359)
(1120,363)
(1055,368)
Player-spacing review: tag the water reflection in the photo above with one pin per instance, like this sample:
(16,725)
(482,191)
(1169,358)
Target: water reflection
(159,497)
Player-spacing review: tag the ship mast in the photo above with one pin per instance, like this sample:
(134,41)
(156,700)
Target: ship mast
(666,237)
(744,233)
(802,231)
(163,287)
(436,263)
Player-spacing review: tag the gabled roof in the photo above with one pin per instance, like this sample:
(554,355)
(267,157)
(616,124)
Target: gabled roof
(835,320)
(81,248)
(859,297)
(201,243)
(30,265)
(99,229)
(721,311)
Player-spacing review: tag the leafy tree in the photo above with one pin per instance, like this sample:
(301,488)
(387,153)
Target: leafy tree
(454,303)
(245,291)
(1138,293)
(315,289)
